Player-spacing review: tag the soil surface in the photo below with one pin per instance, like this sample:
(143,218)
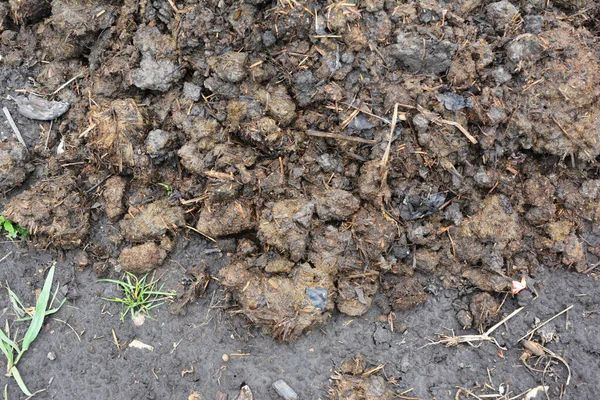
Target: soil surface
(345,196)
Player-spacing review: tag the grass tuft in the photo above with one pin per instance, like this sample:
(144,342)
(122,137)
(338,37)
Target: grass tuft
(139,295)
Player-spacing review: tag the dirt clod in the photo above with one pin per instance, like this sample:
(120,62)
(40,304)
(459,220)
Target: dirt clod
(114,189)
(53,210)
(142,258)
(152,221)
(14,164)
(227,219)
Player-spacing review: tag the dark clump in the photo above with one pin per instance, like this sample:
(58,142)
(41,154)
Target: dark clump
(54,211)
(152,221)
(14,165)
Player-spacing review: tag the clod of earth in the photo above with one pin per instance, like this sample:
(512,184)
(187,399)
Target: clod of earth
(114,189)
(145,257)
(285,225)
(52,210)
(14,165)
(152,221)
(279,303)
(227,219)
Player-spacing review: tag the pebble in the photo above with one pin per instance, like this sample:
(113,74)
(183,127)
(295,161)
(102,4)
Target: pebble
(225,357)
(51,356)
(284,390)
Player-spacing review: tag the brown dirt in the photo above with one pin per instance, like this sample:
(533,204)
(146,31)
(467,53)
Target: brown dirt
(266,127)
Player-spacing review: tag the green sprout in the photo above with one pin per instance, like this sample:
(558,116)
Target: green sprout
(10,347)
(139,296)
(12,229)
(167,188)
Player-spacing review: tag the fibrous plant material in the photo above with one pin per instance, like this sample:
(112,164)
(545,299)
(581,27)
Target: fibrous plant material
(119,131)
(53,211)
(140,295)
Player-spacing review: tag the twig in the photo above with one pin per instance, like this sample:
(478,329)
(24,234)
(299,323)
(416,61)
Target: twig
(6,256)
(544,323)
(459,127)
(61,87)
(456,340)
(73,329)
(14,127)
(203,234)
(340,137)
(386,155)
(88,130)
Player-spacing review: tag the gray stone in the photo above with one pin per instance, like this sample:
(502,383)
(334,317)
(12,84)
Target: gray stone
(34,107)
(525,47)
(429,56)
(499,14)
(191,91)
(501,75)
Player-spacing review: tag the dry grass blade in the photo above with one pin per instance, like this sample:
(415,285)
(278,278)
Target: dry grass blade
(14,127)
(531,332)
(470,339)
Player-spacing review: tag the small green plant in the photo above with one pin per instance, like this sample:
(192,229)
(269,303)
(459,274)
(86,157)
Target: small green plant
(167,188)
(12,229)
(10,347)
(139,295)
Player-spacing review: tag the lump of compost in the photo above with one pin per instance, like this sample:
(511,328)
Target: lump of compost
(284,224)
(119,132)
(152,221)
(53,210)
(280,304)
(14,164)
(227,219)
(353,383)
(145,257)
(114,188)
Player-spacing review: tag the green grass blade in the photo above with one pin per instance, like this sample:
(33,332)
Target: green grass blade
(16,302)
(15,373)
(5,339)
(48,312)
(40,311)
(5,348)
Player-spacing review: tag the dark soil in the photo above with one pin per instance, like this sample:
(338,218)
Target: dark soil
(329,188)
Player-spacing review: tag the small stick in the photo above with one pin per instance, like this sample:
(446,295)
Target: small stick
(386,155)
(203,234)
(14,127)
(455,340)
(531,332)
(460,128)
(61,87)
(6,256)
(88,130)
(340,137)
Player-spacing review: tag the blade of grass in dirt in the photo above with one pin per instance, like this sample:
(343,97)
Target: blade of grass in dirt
(15,373)
(49,311)
(40,312)
(16,302)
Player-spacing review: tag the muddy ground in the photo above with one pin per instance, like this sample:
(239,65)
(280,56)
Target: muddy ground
(334,190)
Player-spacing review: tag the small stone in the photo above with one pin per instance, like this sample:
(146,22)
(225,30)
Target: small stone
(225,357)
(268,38)
(501,75)
(525,47)
(51,356)
(40,109)
(499,14)
(191,91)
(284,390)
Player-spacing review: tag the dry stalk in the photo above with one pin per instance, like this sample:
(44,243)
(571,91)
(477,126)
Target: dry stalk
(470,339)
